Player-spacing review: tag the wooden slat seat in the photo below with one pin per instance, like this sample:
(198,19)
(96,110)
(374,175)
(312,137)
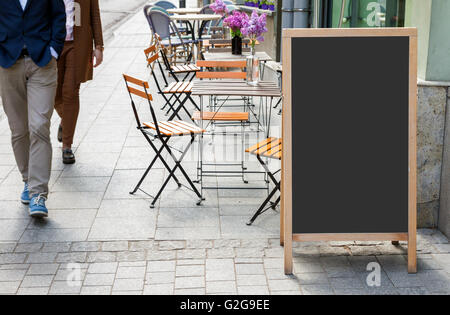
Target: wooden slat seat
(175,128)
(185,68)
(179,87)
(269,148)
(221,116)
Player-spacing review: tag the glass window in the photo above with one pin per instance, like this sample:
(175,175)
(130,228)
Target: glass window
(367,13)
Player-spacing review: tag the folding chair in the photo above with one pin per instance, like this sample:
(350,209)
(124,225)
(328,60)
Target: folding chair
(162,131)
(174,70)
(178,92)
(270,148)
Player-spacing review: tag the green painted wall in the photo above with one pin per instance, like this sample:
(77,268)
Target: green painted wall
(432,19)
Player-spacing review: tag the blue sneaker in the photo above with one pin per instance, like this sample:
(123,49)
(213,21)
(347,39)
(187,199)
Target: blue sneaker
(25,197)
(37,207)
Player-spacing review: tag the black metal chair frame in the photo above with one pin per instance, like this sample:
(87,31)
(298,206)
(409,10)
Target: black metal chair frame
(164,146)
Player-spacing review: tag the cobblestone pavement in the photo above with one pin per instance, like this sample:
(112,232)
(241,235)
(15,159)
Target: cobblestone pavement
(101,240)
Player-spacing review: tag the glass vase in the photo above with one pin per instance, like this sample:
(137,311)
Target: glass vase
(252,68)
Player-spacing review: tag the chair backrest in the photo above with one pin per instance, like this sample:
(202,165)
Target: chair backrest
(152,57)
(206,64)
(136,87)
(165,4)
(159,21)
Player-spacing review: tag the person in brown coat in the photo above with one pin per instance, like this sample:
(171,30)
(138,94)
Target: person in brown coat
(83,50)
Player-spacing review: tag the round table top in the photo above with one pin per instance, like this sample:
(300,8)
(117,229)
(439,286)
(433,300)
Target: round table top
(195,17)
(184,10)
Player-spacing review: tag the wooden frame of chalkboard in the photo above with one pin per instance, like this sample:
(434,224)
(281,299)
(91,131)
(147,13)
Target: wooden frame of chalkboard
(408,233)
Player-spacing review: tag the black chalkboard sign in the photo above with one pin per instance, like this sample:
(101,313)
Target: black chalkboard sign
(349,134)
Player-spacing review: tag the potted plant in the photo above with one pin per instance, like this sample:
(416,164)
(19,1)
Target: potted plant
(271,4)
(254,28)
(235,22)
(264,5)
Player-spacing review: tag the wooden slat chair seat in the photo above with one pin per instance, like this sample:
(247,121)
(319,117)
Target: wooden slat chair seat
(221,116)
(189,68)
(179,87)
(175,128)
(270,148)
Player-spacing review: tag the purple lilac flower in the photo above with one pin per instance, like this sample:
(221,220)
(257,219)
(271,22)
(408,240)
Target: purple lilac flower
(219,7)
(255,27)
(236,21)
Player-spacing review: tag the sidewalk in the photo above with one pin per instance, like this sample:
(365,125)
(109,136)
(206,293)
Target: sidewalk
(115,244)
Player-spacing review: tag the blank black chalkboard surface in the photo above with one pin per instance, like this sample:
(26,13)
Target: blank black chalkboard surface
(349,137)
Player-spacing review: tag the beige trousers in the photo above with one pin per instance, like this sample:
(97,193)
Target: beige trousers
(28,94)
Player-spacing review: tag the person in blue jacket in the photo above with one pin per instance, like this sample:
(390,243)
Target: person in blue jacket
(32,34)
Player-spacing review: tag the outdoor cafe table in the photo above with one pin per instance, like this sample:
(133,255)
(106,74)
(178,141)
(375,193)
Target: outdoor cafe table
(264,89)
(194,18)
(185,10)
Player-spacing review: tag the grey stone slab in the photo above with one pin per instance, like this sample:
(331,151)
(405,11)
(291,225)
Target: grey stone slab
(96,290)
(243,280)
(77,257)
(159,289)
(13,229)
(161,255)
(12,275)
(37,281)
(104,279)
(6,248)
(313,279)
(13,210)
(12,258)
(128,285)
(189,282)
(285,284)
(221,287)
(33,291)
(99,268)
(66,219)
(74,200)
(161,266)
(162,277)
(187,233)
(317,290)
(235,227)
(56,247)
(249,269)
(347,283)
(131,273)
(171,245)
(86,247)
(191,254)
(126,208)
(54,235)
(253,290)
(124,228)
(117,246)
(65,287)
(28,248)
(199,244)
(43,269)
(188,217)
(41,258)
(190,270)
(141,245)
(198,291)
(131,256)
(81,184)
(413,291)
(102,257)
(9,287)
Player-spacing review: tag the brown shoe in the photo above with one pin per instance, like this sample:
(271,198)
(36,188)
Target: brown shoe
(68,156)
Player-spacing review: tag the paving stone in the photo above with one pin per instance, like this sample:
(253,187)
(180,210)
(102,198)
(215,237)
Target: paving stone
(413,291)
(12,258)
(101,257)
(14,267)
(199,244)
(249,252)
(141,245)
(186,262)
(162,277)
(104,279)
(251,280)
(133,264)
(103,268)
(191,253)
(213,287)
(158,266)
(159,289)
(118,246)
(161,255)
(37,281)
(189,282)
(43,269)
(221,253)
(6,248)
(274,252)
(255,243)
(56,247)
(65,287)
(401,279)
(131,273)
(313,279)
(171,245)
(41,258)
(249,269)
(131,256)
(96,290)
(86,247)
(282,285)
(189,271)
(9,287)
(220,269)
(307,267)
(28,248)
(226,243)
(276,274)
(253,290)
(128,285)
(317,290)
(347,283)
(293,292)
(273,262)
(12,275)
(70,275)
(198,291)
(72,257)
(33,291)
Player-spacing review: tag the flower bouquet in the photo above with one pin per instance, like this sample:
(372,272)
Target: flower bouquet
(219,7)
(236,22)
